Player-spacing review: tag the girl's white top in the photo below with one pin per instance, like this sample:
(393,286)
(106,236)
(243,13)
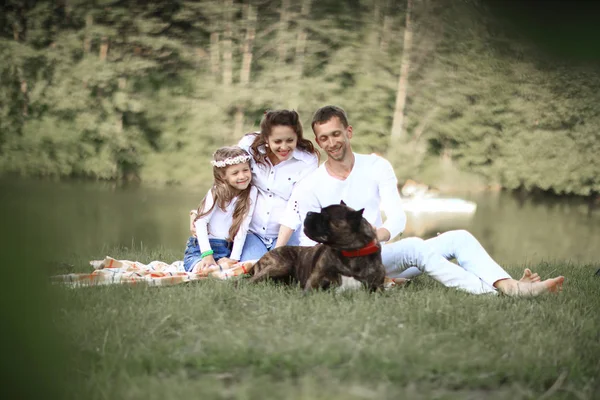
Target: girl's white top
(216,224)
(275,184)
(371,185)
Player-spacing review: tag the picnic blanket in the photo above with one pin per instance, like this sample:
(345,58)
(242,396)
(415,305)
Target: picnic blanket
(157,273)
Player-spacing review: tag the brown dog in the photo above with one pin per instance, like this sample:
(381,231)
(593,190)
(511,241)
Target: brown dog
(348,246)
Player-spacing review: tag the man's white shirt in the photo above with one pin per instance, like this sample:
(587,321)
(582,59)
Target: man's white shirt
(371,185)
(216,224)
(275,185)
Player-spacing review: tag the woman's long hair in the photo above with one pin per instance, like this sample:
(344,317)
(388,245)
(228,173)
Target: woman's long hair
(223,193)
(279,118)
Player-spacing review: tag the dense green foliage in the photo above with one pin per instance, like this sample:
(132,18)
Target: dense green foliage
(110,89)
(217,340)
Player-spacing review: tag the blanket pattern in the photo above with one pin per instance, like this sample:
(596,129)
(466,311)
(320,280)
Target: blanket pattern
(157,273)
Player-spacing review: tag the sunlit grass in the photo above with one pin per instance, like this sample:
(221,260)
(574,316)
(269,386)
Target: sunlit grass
(216,339)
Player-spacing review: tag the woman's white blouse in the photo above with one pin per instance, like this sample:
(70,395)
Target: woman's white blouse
(275,184)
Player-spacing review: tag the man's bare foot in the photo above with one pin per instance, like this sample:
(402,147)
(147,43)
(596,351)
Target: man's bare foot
(512,287)
(401,282)
(529,276)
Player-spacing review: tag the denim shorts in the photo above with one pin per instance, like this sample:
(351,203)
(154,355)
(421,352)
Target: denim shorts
(220,247)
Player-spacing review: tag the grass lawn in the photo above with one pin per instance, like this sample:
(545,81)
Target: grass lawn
(214,340)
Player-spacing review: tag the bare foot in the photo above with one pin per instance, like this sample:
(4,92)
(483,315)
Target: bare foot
(512,287)
(401,282)
(529,276)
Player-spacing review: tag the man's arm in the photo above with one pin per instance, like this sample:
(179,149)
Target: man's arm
(391,203)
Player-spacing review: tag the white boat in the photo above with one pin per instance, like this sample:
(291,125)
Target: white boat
(428,215)
(438,205)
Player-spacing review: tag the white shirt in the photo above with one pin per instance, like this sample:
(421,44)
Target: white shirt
(371,185)
(275,184)
(216,224)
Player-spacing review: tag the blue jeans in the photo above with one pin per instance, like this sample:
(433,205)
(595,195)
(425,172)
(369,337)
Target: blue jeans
(192,255)
(256,246)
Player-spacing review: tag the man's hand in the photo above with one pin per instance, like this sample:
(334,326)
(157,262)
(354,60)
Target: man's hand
(383,235)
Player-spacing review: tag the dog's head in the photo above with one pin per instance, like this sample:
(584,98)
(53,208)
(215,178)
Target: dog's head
(339,226)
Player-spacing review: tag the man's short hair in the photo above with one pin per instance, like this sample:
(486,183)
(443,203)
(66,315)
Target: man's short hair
(324,114)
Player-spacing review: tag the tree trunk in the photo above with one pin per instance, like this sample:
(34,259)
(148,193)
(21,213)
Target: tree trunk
(246,67)
(21,75)
(398,121)
(122,83)
(385,33)
(300,51)
(283,30)
(375,24)
(420,129)
(87,39)
(215,54)
(228,46)
(103,48)
(248,43)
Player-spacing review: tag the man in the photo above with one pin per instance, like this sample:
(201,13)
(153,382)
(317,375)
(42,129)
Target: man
(369,182)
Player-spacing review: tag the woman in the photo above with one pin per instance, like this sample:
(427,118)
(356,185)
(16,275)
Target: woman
(281,158)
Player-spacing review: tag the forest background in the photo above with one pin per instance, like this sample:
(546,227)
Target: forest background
(452,92)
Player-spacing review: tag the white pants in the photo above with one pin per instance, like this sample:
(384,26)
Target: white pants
(476,272)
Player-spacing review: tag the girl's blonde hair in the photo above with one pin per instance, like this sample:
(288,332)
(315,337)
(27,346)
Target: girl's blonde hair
(223,193)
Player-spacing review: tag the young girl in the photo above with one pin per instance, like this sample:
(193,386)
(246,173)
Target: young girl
(222,219)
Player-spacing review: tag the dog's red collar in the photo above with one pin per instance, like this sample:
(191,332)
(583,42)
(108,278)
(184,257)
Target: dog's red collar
(370,248)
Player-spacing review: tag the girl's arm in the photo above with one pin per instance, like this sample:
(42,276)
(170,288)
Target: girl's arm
(240,237)
(201,224)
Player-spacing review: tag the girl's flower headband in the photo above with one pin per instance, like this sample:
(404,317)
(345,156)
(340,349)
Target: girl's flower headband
(231,161)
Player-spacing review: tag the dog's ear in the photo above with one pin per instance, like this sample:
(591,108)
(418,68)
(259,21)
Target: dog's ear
(355,218)
(342,203)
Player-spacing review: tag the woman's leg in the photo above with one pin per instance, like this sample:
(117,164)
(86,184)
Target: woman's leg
(254,248)
(294,239)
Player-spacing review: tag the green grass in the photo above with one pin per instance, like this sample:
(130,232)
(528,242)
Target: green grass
(212,339)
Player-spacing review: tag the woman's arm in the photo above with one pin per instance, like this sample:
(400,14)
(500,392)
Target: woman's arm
(284,236)
(302,200)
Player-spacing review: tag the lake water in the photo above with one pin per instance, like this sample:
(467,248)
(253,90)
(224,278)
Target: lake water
(87,218)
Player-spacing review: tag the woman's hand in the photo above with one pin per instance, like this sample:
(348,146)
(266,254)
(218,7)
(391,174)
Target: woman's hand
(193,215)
(226,262)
